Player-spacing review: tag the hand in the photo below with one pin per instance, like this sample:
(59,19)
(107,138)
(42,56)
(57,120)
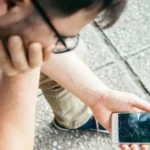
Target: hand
(16,60)
(117,101)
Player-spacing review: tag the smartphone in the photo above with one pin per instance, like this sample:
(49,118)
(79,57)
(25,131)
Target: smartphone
(131,128)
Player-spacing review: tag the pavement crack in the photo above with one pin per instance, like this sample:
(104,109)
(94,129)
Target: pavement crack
(122,62)
(108,64)
(134,54)
(40,95)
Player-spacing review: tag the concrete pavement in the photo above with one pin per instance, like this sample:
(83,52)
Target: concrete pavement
(120,57)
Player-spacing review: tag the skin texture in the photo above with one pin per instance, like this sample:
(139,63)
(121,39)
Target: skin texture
(88,88)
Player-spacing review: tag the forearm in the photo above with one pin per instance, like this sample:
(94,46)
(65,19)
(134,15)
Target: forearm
(70,72)
(17,111)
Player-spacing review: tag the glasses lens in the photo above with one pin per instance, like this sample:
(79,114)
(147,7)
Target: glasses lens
(71,43)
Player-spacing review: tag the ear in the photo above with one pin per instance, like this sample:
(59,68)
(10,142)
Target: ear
(6,5)
(25,1)
(12,3)
(12,22)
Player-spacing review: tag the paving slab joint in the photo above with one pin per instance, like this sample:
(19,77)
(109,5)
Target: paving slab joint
(122,63)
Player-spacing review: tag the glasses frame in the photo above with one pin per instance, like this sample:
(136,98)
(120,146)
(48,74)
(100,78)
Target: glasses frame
(43,14)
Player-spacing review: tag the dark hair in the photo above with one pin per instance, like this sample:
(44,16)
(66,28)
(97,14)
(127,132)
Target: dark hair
(111,9)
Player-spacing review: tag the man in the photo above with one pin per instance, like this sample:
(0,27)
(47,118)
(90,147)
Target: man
(67,18)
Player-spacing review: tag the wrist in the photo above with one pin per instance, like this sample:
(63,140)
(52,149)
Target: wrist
(26,79)
(101,97)
(23,75)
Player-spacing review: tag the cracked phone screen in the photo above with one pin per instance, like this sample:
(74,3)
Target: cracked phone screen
(134,128)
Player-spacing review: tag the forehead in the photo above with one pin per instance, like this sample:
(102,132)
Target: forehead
(65,23)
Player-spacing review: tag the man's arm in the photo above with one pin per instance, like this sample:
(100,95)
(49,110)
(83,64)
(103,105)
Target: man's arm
(70,72)
(17,111)
(18,96)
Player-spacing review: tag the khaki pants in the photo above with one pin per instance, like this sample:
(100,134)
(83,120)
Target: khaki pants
(69,111)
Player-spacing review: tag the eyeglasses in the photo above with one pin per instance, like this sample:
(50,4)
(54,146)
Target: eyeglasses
(64,44)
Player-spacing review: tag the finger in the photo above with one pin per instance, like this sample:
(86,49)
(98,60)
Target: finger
(35,55)
(140,104)
(47,52)
(17,53)
(124,147)
(5,63)
(134,147)
(144,147)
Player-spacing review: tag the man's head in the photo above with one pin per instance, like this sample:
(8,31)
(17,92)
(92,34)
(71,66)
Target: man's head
(67,16)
